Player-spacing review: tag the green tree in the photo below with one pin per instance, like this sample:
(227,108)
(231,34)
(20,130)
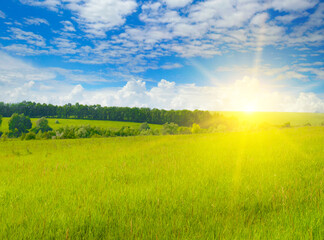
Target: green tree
(170,128)
(0,120)
(20,122)
(195,128)
(144,126)
(42,124)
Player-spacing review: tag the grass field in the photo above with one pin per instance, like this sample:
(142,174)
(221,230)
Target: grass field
(79,122)
(278,118)
(247,185)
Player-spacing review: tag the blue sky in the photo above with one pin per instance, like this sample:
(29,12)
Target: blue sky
(174,54)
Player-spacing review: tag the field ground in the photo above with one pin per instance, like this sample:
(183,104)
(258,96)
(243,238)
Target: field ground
(79,122)
(246,185)
(278,118)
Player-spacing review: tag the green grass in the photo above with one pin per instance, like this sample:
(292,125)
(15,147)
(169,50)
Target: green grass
(79,122)
(247,185)
(279,118)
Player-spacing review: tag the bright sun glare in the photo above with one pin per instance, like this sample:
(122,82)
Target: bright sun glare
(250,108)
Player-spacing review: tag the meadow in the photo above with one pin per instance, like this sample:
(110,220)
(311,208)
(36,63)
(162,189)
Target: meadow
(81,122)
(278,118)
(232,185)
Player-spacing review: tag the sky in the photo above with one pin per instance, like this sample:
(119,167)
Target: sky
(224,55)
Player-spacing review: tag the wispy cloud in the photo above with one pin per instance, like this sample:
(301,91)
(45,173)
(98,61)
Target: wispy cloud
(171,66)
(2,14)
(50,4)
(199,29)
(68,26)
(36,21)
(29,37)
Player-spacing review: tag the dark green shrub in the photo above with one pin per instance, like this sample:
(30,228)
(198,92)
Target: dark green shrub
(30,136)
(286,125)
(184,130)
(144,126)
(170,128)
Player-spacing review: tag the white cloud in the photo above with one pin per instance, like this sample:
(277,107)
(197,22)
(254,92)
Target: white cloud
(308,102)
(15,72)
(50,4)
(95,16)
(288,18)
(241,95)
(68,26)
(24,50)
(64,46)
(315,20)
(260,19)
(201,28)
(36,21)
(177,3)
(293,5)
(269,73)
(2,14)
(99,16)
(29,37)
(166,84)
(171,66)
(318,72)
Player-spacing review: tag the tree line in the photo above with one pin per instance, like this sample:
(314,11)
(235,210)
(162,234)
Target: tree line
(98,112)
(20,126)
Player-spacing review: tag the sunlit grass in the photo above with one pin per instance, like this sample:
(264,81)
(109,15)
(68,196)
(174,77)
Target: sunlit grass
(277,118)
(265,184)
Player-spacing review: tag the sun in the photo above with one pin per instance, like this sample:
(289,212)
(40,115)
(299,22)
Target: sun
(250,108)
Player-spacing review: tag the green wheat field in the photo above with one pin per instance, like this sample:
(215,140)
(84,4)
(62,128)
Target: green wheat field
(264,184)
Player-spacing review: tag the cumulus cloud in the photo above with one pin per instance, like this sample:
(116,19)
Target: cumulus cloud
(293,5)
(244,94)
(99,16)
